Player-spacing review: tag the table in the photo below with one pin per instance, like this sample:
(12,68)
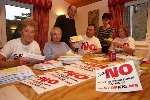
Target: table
(86,91)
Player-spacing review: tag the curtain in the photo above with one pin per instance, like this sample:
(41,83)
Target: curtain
(41,10)
(116,7)
(148,22)
(3,37)
(41,15)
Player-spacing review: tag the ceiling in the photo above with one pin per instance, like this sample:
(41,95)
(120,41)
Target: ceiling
(79,3)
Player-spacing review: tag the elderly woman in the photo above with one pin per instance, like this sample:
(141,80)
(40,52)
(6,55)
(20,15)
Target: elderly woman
(55,48)
(123,43)
(11,54)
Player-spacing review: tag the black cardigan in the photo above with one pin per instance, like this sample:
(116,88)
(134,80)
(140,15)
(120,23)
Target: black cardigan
(68,27)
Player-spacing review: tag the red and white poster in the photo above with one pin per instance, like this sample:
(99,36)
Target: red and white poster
(43,83)
(118,78)
(88,67)
(70,76)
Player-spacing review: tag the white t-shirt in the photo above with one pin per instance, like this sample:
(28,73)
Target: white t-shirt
(15,48)
(88,44)
(124,41)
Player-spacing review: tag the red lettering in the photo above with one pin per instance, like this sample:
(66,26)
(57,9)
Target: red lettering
(85,46)
(45,79)
(52,81)
(92,47)
(109,72)
(123,70)
(128,70)
(131,85)
(76,75)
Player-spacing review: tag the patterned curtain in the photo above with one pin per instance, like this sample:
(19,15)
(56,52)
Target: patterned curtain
(3,37)
(116,7)
(41,10)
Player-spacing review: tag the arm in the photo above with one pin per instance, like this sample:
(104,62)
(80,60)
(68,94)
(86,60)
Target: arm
(98,46)
(47,52)
(98,50)
(8,63)
(37,49)
(128,50)
(5,52)
(67,47)
(130,47)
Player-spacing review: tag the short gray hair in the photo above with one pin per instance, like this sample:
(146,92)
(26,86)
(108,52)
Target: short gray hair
(56,28)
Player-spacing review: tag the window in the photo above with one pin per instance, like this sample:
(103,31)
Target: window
(136,15)
(15,12)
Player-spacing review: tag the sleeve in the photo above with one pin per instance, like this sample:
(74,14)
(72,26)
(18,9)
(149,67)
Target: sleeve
(67,47)
(7,50)
(131,42)
(37,49)
(99,33)
(112,44)
(48,51)
(116,40)
(98,44)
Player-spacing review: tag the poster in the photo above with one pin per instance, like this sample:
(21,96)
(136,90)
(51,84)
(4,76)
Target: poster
(89,67)
(43,83)
(118,78)
(70,76)
(14,74)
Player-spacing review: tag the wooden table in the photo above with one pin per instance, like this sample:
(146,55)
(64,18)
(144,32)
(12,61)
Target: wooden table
(86,91)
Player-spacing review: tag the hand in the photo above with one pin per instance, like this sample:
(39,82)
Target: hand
(128,50)
(117,45)
(23,61)
(58,55)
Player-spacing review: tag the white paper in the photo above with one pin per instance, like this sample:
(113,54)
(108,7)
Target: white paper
(100,58)
(118,78)
(88,67)
(43,83)
(14,74)
(11,93)
(70,76)
(48,65)
(76,38)
(33,57)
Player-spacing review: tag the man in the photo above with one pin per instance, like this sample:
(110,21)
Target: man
(67,24)
(11,54)
(89,43)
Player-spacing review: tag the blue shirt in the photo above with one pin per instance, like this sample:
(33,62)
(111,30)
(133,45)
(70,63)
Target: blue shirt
(52,49)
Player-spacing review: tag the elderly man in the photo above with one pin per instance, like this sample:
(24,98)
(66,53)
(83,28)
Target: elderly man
(67,24)
(11,54)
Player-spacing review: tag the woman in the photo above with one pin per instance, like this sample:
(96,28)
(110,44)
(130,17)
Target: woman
(11,54)
(105,32)
(123,43)
(55,48)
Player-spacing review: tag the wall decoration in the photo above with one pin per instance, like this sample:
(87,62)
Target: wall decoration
(93,17)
